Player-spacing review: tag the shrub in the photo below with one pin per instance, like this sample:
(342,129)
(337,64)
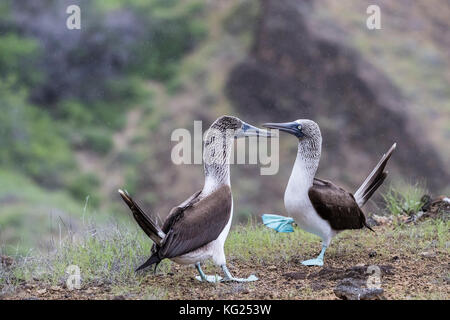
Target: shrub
(404,200)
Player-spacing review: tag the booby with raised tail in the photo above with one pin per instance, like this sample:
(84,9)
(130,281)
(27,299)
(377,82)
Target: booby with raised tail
(319,206)
(196,230)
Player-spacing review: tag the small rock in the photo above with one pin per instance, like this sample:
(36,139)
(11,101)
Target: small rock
(318,286)
(55,288)
(354,289)
(395,258)
(296,275)
(380,220)
(428,254)
(372,254)
(6,261)
(272,268)
(415,217)
(41,291)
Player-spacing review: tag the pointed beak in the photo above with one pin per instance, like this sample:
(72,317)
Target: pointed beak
(247,130)
(289,127)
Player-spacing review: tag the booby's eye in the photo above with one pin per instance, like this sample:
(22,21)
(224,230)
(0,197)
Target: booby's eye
(299,127)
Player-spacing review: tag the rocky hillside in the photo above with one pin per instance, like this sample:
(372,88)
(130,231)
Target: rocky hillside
(279,61)
(301,66)
(90,112)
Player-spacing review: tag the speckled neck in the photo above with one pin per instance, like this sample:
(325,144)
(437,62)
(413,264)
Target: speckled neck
(216,159)
(308,156)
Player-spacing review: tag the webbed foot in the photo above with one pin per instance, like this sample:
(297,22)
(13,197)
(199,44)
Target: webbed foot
(210,279)
(249,279)
(229,278)
(313,262)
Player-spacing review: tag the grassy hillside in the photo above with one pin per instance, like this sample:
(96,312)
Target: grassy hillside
(85,113)
(72,101)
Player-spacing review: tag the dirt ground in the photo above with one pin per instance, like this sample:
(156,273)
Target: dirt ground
(425,276)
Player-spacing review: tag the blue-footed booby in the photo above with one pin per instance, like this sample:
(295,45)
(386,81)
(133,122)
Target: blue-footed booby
(196,230)
(319,206)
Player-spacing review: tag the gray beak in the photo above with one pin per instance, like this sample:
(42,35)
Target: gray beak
(247,130)
(289,127)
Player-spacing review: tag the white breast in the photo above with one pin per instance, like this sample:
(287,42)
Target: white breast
(299,206)
(214,249)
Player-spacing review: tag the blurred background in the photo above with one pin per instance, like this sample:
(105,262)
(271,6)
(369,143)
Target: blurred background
(85,112)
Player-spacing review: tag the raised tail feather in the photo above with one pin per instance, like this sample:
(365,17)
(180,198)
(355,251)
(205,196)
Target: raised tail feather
(374,180)
(145,222)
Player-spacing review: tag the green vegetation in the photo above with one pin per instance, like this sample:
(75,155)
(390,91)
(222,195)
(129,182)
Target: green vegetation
(104,254)
(108,255)
(65,94)
(404,200)
(78,109)
(28,137)
(46,118)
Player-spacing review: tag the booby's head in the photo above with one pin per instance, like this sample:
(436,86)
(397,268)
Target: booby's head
(219,141)
(221,134)
(233,127)
(303,129)
(309,140)
(309,145)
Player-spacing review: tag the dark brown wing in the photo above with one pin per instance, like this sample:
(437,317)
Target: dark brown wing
(175,213)
(197,224)
(336,205)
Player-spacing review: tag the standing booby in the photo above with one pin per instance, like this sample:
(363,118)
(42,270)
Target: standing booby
(196,230)
(319,206)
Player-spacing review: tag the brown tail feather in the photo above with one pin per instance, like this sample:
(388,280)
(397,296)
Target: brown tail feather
(154,259)
(368,227)
(374,180)
(144,221)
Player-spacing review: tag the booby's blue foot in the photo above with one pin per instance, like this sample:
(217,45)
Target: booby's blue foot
(313,262)
(228,277)
(211,279)
(317,261)
(249,279)
(204,277)
(278,223)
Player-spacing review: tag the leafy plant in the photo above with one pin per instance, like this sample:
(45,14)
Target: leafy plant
(404,200)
